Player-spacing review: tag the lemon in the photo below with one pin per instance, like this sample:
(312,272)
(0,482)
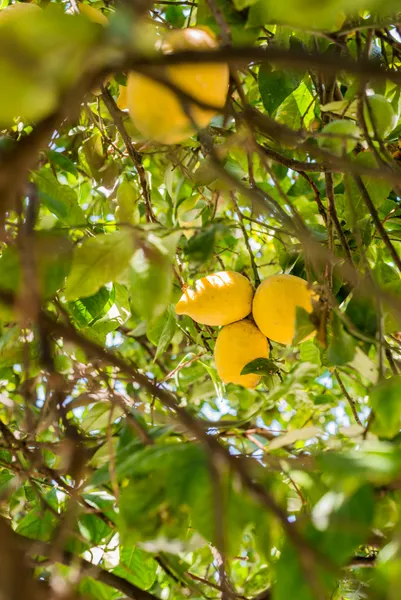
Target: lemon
(343,137)
(122,97)
(274,306)
(384,118)
(96,16)
(13,11)
(157,111)
(237,345)
(217,299)
(93,14)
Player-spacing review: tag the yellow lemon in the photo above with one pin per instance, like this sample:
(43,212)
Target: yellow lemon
(217,299)
(13,11)
(96,16)
(157,111)
(237,345)
(93,14)
(122,97)
(274,306)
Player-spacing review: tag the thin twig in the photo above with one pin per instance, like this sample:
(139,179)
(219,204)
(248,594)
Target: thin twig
(351,402)
(375,216)
(246,240)
(134,155)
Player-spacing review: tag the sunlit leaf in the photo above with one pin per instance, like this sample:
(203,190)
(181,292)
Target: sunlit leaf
(97,261)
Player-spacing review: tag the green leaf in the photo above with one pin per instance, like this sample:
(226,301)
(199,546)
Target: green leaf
(60,199)
(87,310)
(345,521)
(240,34)
(303,324)
(341,349)
(380,117)
(31,83)
(118,313)
(37,525)
(97,261)
(53,259)
(127,200)
(160,331)
(378,189)
(362,310)
(309,352)
(241,4)
(97,590)
(290,580)
(200,246)
(297,108)
(385,400)
(53,255)
(94,529)
(137,566)
(302,13)
(98,416)
(376,462)
(63,162)
(260,366)
(10,269)
(276,86)
(150,280)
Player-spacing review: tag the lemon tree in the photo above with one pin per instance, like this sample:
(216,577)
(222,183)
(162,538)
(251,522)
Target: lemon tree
(200,300)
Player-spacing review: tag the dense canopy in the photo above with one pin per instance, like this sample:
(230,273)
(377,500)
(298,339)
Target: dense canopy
(263,142)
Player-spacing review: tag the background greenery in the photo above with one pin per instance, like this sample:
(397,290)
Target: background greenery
(127,470)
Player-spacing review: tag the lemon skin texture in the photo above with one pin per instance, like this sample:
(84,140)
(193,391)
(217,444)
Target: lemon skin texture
(122,97)
(237,345)
(14,11)
(157,111)
(217,299)
(93,14)
(274,306)
(96,16)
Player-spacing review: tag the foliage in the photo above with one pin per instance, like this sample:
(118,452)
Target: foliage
(127,468)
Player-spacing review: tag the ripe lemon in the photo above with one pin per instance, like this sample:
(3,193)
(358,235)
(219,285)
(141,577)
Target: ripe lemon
(96,16)
(93,14)
(274,306)
(157,111)
(237,345)
(217,299)
(14,11)
(122,97)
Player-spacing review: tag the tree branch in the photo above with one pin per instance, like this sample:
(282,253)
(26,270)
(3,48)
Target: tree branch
(134,155)
(35,547)
(380,227)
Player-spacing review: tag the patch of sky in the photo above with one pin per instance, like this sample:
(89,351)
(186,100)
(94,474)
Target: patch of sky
(104,190)
(78,411)
(119,387)
(114,338)
(40,396)
(331,428)
(326,380)
(223,408)
(342,419)
(364,412)
(255,246)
